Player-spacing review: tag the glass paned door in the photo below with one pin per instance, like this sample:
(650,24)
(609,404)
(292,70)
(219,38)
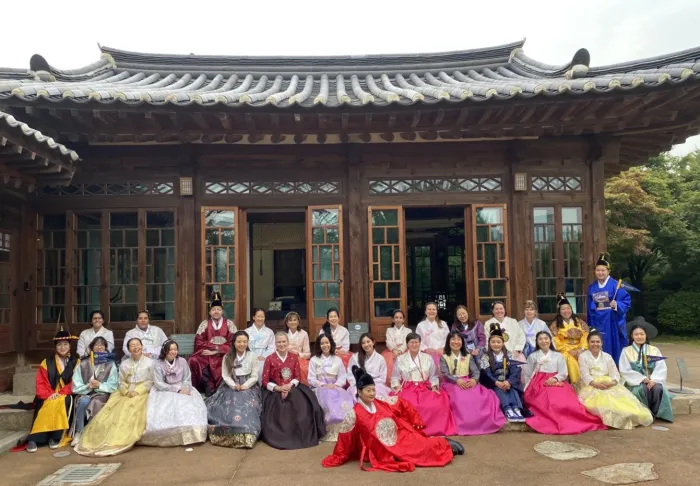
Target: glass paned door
(490,244)
(324,264)
(220,258)
(387,257)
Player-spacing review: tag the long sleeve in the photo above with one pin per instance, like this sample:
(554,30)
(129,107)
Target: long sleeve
(396,374)
(405,410)
(305,347)
(266,374)
(344,343)
(420,330)
(159,381)
(488,377)
(445,370)
(530,366)
(43,387)
(270,348)
(201,342)
(631,377)
(162,337)
(612,368)
(514,376)
(79,387)
(187,378)
(584,370)
(342,377)
(382,369)
(125,347)
(143,387)
(432,373)
(82,345)
(226,373)
(123,374)
(562,370)
(347,448)
(109,337)
(313,380)
(112,383)
(253,379)
(351,363)
(520,339)
(480,335)
(474,371)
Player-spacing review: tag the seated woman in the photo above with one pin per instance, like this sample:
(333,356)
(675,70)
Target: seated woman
(570,337)
(511,332)
(292,417)
(372,363)
(475,409)
(415,380)
(531,326)
(644,376)
(122,421)
(340,335)
(433,333)
(234,410)
(327,379)
(98,329)
(553,401)
(93,381)
(387,435)
(298,344)
(500,374)
(601,392)
(471,330)
(395,341)
(53,401)
(176,414)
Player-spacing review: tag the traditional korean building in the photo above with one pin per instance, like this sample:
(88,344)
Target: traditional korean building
(367,183)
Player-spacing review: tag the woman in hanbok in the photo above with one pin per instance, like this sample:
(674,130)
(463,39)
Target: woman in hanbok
(298,344)
(176,414)
(500,374)
(94,380)
(472,331)
(53,402)
(234,410)
(97,319)
(602,393)
(476,410)
(395,341)
(644,375)
(550,398)
(340,335)
(570,336)
(261,338)
(608,304)
(387,435)
(372,363)
(511,332)
(531,326)
(122,421)
(292,417)
(327,379)
(415,380)
(433,333)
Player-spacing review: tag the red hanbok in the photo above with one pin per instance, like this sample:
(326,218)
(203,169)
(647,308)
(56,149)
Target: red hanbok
(206,370)
(388,439)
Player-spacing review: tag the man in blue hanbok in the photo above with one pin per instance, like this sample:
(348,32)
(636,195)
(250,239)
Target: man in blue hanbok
(608,303)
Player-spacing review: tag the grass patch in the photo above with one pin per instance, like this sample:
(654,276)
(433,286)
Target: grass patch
(670,338)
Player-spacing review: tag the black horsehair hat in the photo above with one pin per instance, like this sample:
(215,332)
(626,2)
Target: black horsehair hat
(603,260)
(62,335)
(562,300)
(362,378)
(496,330)
(216,300)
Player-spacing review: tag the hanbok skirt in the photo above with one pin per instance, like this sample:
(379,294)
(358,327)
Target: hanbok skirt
(293,423)
(336,403)
(665,411)
(433,408)
(616,406)
(436,355)
(51,420)
(572,367)
(476,411)
(556,409)
(174,419)
(234,417)
(389,358)
(116,428)
(97,402)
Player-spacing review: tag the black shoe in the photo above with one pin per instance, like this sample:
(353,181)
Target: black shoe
(457,448)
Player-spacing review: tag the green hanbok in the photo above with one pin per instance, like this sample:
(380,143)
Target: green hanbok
(637,364)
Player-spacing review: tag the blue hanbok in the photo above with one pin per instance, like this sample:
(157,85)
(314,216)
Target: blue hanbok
(611,324)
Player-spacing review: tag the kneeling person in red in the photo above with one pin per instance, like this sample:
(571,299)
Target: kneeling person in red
(387,434)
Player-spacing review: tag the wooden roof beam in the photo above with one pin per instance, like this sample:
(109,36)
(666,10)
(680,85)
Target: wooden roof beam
(225,121)
(153,121)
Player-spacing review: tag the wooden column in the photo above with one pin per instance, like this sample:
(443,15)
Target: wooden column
(26,299)
(520,224)
(600,153)
(357,266)
(188,248)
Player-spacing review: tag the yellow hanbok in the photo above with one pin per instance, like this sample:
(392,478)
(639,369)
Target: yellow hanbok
(122,421)
(569,338)
(616,406)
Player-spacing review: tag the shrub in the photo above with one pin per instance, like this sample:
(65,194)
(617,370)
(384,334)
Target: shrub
(680,312)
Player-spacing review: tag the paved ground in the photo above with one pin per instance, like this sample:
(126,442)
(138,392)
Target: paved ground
(691,354)
(500,459)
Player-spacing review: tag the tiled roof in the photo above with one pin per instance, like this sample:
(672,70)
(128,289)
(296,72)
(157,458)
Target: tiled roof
(501,72)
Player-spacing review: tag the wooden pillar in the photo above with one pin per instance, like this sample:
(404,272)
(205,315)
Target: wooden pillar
(520,226)
(26,284)
(357,266)
(601,152)
(188,252)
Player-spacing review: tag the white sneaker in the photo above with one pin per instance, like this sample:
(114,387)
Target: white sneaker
(75,440)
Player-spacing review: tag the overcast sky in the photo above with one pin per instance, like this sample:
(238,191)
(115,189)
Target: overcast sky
(612,30)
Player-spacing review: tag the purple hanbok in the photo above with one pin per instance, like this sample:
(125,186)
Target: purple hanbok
(336,402)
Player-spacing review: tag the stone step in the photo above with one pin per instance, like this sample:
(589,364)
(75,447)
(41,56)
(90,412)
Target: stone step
(24,381)
(15,420)
(686,404)
(10,438)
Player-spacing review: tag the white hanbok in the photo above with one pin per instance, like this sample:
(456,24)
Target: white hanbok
(515,343)
(261,343)
(88,335)
(433,334)
(375,366)
(152,340)
(341,336)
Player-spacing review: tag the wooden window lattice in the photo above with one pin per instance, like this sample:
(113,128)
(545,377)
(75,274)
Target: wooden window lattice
(219,188)
(123,189)
(381,187)
(556,183)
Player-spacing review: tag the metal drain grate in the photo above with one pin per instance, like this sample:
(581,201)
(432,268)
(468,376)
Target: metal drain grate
(80,474)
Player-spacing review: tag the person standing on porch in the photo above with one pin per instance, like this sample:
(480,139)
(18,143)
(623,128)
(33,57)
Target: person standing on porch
(211,343)
(97,320)
(340,335)
(433,333)
(262,339)
(151,336)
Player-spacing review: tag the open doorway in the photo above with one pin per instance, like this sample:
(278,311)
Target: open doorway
(277,264)
(434,261)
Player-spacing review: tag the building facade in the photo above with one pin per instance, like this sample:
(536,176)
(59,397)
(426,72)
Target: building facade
(362,183)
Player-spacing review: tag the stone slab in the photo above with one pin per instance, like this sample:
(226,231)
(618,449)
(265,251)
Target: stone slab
(15,420)
(24,383)
(624,473)
(10,438)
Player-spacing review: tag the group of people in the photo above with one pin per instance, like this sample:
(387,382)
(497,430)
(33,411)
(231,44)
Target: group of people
(393,409)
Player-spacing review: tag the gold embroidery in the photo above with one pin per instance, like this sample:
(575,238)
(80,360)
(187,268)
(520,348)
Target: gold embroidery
(389,400)
(387,432)
(286,373)
(348,422)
